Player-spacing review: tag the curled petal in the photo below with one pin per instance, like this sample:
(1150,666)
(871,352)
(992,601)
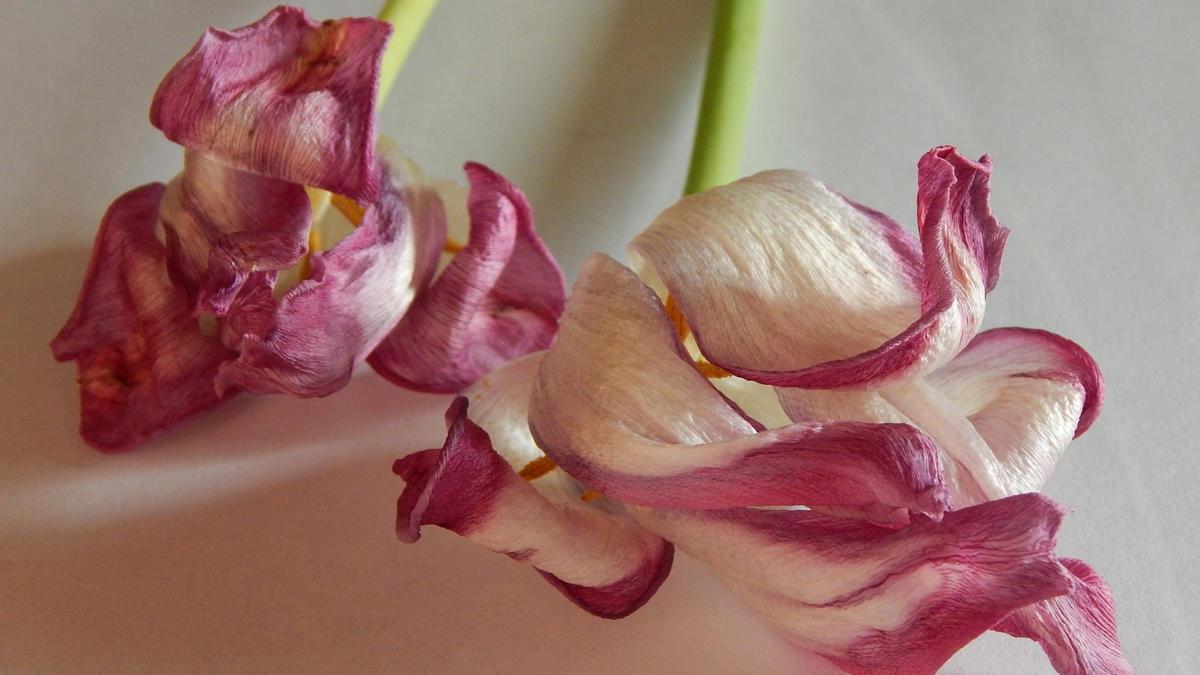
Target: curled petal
(1078,631)
(498,299)
(143,363)
(308,342)
(620,405)
(857,405)
(591,551)
(284,97)
(786,282)
(1028,393)
(1002,412)
(872,599)
(222,225)
(936,415)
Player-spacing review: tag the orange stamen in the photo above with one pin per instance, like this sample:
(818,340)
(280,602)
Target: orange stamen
(538,468)
(679,321)
(711,370)
(675,315)
(591,496)
(451,246)
(351,209)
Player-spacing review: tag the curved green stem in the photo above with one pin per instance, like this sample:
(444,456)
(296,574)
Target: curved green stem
(407,17)
(717,150)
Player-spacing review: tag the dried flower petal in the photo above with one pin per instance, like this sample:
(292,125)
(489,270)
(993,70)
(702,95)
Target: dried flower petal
(284,97)
(619,404)
(873,599)
(222,225)
(143,363)
(308,342)
(593,553)
(1028,393)
(786,282)
(499,298)
(1078,631)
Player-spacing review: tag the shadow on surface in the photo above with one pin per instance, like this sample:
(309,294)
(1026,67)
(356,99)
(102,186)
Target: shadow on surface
(650,72)
(308,577)
(50,480)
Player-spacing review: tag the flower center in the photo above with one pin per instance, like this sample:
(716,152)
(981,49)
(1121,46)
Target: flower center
(354,214)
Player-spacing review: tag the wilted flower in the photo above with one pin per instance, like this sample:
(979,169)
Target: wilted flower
(877,521)
(278,120)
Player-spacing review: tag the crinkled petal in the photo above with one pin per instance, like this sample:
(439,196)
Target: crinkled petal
(873,599)
(143,363)
(284,97)
(499,298)
(786,282)
(223,224)
(1007,407)
(1028,393)
(1078,630)
(590,550)
(308,342)
(859,405)
(620,405)
(927,408)
(1003,411)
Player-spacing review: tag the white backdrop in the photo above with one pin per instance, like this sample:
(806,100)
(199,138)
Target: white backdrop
(260,537)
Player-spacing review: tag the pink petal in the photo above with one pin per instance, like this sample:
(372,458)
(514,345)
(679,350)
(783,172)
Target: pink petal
(1003,411)
(1028,393)
(873,599)
(284,97)
(1078,630)
(143,363)
(853,405)
(596,556)
(222,225)
(499,298)
(786,282)
(620,405)
(308,342)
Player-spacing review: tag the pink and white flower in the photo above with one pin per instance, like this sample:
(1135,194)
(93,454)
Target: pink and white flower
(863,480)
(234,297)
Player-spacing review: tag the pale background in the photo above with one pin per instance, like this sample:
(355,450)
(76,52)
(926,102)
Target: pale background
(259,538)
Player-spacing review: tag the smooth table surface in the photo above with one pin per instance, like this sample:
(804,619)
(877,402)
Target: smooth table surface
(259,537)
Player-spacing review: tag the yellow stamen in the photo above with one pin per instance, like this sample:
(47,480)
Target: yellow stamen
(675,315)
(451,246)
(591,496)
(711,371)
(538,468)
(351,209)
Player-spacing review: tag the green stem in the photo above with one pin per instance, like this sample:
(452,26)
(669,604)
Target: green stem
(407,17)
(717,150)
